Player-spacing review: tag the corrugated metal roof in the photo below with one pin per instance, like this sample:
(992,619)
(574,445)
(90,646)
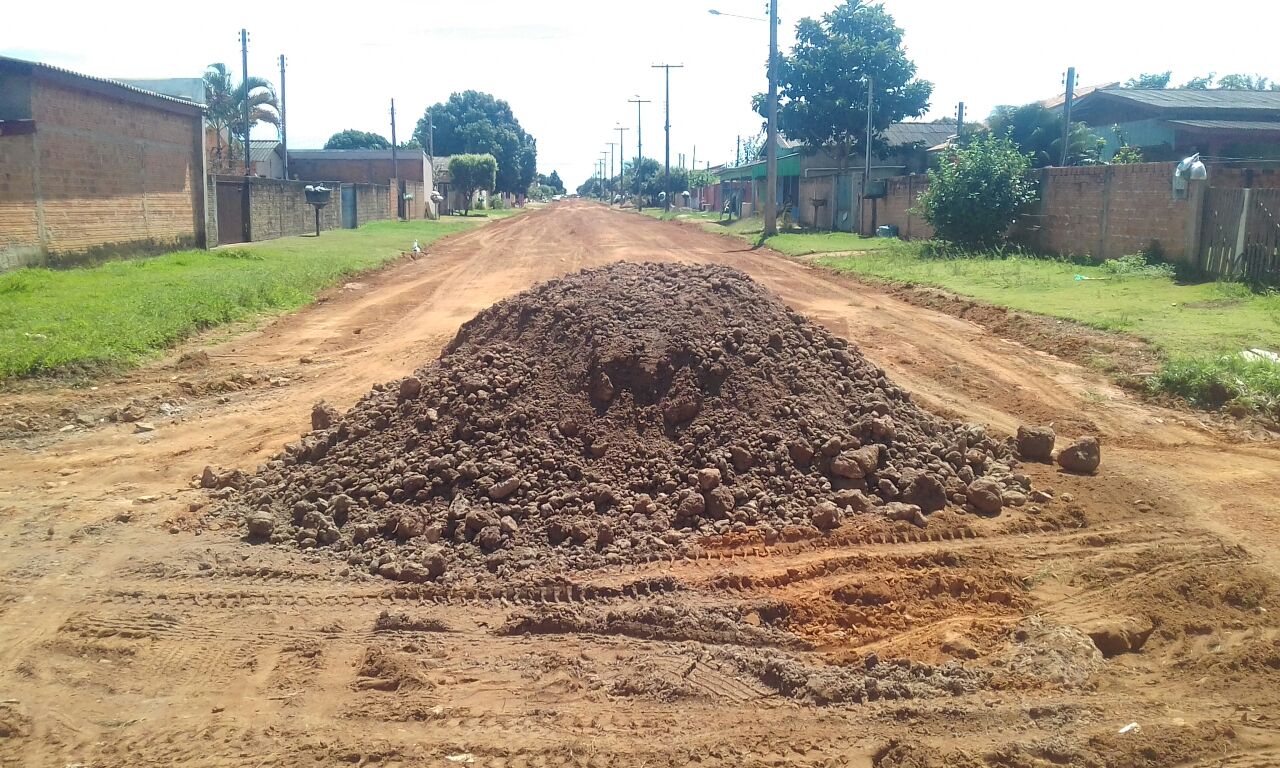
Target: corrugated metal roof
(1214,98)
(928,134)
(352,154)
(261,149)
(101,80)
(1230,125)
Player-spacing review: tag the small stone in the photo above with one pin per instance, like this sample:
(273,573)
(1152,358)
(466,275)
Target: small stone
(260,525)
(410,388)
(208,478)
(1081,457)
(708,478)
(985,495)
(897,510)
(825,516)
(501,490)
(144,426)
(1035,443)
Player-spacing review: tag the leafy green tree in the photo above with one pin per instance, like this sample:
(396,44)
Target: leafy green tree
(1126,155)
(592,187)
(1199,83)
(1150,80)
(410,144)
(225,103)
(472,122)
(1037,131)
(553,181)
(823,82)
(472,173)
(702,178)
(976,191)
(353,139)
(1247,83)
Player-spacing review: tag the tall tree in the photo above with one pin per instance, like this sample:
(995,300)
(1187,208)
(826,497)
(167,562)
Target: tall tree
(553,181)
(353,139)
(1150,80)
(1037,132)
(472,122)
(472,173)
(218,90)
(823,82)
(226,104)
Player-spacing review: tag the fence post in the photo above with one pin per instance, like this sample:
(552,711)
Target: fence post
(1197,196)
(1238,257)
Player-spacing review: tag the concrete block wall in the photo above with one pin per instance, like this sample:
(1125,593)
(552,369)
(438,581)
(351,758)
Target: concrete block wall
(279,208)
(98,177)
(374,202)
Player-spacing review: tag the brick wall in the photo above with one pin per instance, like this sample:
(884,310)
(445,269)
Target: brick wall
(412,166)
(100,176)
(901,196)
(1101,211)
(279,208)
(19,227)
(374,202)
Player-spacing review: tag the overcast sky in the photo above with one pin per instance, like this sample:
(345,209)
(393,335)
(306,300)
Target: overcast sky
(567,67)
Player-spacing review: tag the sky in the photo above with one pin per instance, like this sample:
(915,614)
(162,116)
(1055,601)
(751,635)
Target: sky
(568,67)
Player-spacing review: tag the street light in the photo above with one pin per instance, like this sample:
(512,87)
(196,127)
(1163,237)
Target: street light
(771,135)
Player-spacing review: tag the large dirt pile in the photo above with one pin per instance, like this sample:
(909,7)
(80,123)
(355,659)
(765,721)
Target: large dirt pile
(610,415)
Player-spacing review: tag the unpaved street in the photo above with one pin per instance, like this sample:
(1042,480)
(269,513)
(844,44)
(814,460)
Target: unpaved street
(137,630)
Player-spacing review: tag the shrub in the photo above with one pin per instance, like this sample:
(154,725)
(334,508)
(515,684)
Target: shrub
(976,191)
(1139,265)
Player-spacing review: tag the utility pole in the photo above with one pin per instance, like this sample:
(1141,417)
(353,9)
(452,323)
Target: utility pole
(771,152)
(611,146)
(737,156)
(666,183)
(866,163)
(959,122)
(244,111)
(694,163)
(622,161)
(1066,114)
(639,148)
(395,160)
(284,136)
(431,136)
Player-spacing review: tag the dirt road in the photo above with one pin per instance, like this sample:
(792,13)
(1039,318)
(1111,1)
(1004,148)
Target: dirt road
(137,631)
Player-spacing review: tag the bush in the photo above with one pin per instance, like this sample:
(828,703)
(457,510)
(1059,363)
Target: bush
(1139,265)
(1240,385)
(976,191)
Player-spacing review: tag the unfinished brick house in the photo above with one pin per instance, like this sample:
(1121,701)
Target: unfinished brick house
(90,168)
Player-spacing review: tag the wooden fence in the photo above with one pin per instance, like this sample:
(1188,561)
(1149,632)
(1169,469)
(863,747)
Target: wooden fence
(1240,237)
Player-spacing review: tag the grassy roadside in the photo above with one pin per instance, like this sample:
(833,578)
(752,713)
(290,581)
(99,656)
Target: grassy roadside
(1199,328)
(118,314)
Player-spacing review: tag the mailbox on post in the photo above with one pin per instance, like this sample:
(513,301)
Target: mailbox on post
(318,196)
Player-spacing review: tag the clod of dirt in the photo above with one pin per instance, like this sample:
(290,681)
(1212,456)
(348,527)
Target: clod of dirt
(1044,652)
(1035,443)
(613,416)
(1081,457)
(1115,635)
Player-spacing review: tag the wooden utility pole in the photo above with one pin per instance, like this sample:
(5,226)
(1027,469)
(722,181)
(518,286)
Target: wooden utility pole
(244,107)
(1066,114)
(395,163)
(771,152)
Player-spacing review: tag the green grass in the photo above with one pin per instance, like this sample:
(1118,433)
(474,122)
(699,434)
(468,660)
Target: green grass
(120,313)
(805,243)
(1199,327)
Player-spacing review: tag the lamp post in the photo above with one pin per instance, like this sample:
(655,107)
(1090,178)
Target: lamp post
(771,134)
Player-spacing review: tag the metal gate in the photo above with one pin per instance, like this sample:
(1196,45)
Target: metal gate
(844,217)
(231,207)
(1241,234)
(349,220)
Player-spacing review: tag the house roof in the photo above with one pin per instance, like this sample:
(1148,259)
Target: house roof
(1080,92)
(352,154)
(262,149)
(1229,125)
(1182,98)
(103,85)
(928,134)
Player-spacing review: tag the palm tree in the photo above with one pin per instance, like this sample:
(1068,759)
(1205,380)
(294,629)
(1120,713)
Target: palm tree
(226,104)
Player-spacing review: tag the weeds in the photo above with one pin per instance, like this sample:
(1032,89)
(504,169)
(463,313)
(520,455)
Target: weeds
(1227,382)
